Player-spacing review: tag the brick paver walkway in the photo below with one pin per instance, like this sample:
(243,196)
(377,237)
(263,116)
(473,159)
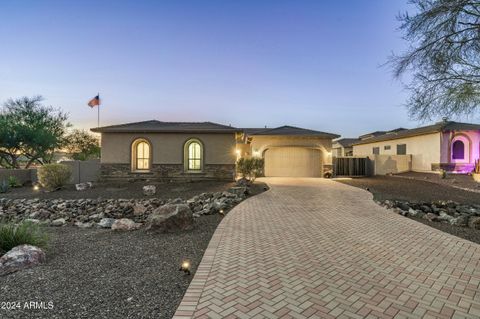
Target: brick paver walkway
(314,248)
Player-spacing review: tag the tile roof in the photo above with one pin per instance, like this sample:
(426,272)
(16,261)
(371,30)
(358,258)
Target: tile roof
(295,131)
(167,127)
(444,126)
(346,142)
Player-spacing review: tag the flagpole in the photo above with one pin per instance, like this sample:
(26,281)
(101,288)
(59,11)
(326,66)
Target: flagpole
(98,111)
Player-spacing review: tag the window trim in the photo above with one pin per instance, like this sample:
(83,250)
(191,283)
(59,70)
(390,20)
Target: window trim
(134,155)
(186,156)
(467,147)
(405,148)
(373,150)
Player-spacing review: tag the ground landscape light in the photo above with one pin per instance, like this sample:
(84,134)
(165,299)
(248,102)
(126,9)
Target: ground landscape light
(185,267)
(36,187)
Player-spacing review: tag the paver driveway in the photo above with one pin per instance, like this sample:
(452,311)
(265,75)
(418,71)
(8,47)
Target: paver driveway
(314,248)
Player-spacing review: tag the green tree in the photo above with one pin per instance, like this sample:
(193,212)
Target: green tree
(443,58)
(83,145)
(36,130)
(10,142)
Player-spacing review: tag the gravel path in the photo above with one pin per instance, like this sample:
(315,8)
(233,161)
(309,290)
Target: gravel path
(92,273)
(394,188)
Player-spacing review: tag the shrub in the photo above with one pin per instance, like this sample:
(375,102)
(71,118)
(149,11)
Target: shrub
(12,235)
(53,176)
(250,168)
(476,169)
(443,174)
(3,186)
(13,182)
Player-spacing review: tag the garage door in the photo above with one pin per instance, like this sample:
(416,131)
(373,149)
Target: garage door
(293,161)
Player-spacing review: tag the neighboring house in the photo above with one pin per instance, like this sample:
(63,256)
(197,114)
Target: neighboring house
(447,145)
(205,150)
(343,146)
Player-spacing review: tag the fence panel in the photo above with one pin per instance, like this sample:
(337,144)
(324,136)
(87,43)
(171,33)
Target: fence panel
(352,166)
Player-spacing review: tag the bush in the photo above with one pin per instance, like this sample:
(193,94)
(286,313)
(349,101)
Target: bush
(3,186)
(13,182)
(12,235)
(53,176)
(250,168)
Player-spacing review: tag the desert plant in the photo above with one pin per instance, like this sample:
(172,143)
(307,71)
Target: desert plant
(13,182)
(257,167)
(476,169)
(250,168)
(53,176)
(443,174)
(12,235)
(3,186)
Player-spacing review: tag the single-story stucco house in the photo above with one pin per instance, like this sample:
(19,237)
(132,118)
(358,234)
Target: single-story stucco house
(205,150)
(447,145)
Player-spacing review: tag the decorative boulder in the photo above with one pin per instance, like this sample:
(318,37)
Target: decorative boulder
(106,222)
(59,222)
(171,217)
(19,258)
(82,186)
(139,209)
(125,224)
(149,190)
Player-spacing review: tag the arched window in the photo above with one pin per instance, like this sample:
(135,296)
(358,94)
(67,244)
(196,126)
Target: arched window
(141,155)
(193,155)
(458,150)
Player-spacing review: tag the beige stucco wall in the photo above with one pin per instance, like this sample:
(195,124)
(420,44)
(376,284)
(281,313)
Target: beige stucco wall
(167,148)
(261,143)
(387,164)
(425,150)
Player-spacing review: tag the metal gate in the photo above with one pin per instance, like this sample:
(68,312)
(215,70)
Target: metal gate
(352,166)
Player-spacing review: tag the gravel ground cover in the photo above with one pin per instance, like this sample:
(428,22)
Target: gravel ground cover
(394,188)
(455,180)
(97,273)
(124,190)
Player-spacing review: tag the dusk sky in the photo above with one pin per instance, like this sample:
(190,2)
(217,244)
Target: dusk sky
(314,64)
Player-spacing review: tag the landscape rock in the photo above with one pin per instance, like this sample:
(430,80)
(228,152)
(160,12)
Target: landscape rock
(94,210)
(171,217)
(125,224)
(83,225)
(456,214)
(20,257)
(59,222)
(82,186)
(474,222)
(239,191)
(149,190)
(106,223)
(139,209)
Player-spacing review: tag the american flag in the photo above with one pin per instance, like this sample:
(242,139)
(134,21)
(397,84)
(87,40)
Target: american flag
(95,101)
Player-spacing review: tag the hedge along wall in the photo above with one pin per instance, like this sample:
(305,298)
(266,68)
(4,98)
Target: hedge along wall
(23,176)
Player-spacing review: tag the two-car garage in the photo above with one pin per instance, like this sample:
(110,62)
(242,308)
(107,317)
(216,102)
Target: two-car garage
(291,151)
(293,162)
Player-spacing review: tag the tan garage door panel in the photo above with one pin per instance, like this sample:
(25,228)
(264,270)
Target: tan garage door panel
(293,162)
